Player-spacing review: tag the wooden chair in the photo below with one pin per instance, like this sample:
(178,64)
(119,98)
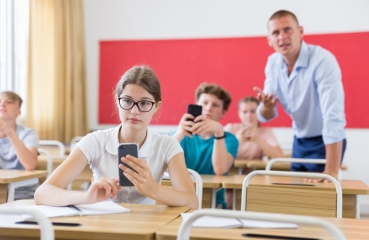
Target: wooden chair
(185,227)
(59,144)
(287,195)
(199,186)
(198,180)
(49,164)
(74,142)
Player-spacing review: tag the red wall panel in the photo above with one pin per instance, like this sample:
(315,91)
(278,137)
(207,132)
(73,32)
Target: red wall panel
(237,64)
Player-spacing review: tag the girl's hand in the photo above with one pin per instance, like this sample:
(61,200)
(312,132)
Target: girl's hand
(241,135)
(101,190)
(141,175)
(250,132)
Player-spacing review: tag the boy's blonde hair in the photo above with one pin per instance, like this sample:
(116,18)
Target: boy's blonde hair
(13,96)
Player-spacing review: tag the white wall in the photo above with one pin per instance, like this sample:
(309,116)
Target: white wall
(166,19)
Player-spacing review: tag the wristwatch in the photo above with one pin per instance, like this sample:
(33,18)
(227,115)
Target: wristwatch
(221,137)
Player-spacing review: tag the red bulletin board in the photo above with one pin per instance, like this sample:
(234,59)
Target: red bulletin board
(237,64)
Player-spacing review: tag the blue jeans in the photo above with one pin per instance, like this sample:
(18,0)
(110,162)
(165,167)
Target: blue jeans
(312,147)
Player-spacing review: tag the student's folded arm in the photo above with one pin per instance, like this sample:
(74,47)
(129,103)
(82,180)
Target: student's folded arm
(224,153)
(183,192)
(52,191)
(222,160)
(26,156)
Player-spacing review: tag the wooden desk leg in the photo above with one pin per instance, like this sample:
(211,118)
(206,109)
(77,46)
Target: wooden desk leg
(357,205)
(213,197)
(234,199)
(3,193)
(350,207)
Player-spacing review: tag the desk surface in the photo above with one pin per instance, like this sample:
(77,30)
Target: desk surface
(10,176)
(260,164)
(355,187)
(141,223)
(351,228)
(208,181)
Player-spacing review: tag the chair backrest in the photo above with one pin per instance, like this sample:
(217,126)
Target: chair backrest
(198,181)
(199,186)
(270,163)
(47,230)
(49,165)
(54,143)
(185,227)
(74,142)
(247,179)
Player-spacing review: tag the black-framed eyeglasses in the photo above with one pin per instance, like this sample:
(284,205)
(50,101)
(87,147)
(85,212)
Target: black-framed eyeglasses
(128,104)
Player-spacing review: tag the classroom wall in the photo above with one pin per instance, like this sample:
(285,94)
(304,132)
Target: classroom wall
(165,19)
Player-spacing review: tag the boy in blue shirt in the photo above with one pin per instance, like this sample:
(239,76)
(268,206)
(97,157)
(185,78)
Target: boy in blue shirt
(207,147)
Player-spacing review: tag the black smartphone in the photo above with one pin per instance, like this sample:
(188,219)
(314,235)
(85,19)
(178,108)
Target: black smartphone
(194,110)
(125,149)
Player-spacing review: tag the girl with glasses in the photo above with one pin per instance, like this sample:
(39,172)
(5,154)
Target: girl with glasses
(138,99)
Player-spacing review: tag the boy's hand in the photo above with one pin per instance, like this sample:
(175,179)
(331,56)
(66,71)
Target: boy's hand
(5,129)
(203,124)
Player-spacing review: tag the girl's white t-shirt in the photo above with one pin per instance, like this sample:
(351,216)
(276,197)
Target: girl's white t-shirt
(101,151)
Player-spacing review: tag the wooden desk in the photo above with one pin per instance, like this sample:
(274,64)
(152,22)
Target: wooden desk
(83,177)
(141,223)
(211,184)
(350,190)
(351,228)
(10,176)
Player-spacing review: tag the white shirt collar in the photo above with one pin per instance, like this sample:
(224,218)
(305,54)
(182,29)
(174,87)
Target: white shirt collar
(146,150)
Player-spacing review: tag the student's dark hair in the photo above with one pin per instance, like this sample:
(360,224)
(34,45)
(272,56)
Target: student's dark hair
(283,13)
(13,96)
(142,76)
(248,99)
(216,90)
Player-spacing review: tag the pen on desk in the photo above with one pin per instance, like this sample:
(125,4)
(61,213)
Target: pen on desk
(75,208)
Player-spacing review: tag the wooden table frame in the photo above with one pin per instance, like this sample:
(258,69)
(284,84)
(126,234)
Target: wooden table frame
(350,189)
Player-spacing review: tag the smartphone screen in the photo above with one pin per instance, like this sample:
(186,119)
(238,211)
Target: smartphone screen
(125,149)
(194,110)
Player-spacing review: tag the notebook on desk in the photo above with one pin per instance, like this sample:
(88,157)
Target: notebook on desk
(223,222)
(106,207)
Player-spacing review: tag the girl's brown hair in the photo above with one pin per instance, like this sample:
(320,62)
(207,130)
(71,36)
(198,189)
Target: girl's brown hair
(142,76)
(248,99)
